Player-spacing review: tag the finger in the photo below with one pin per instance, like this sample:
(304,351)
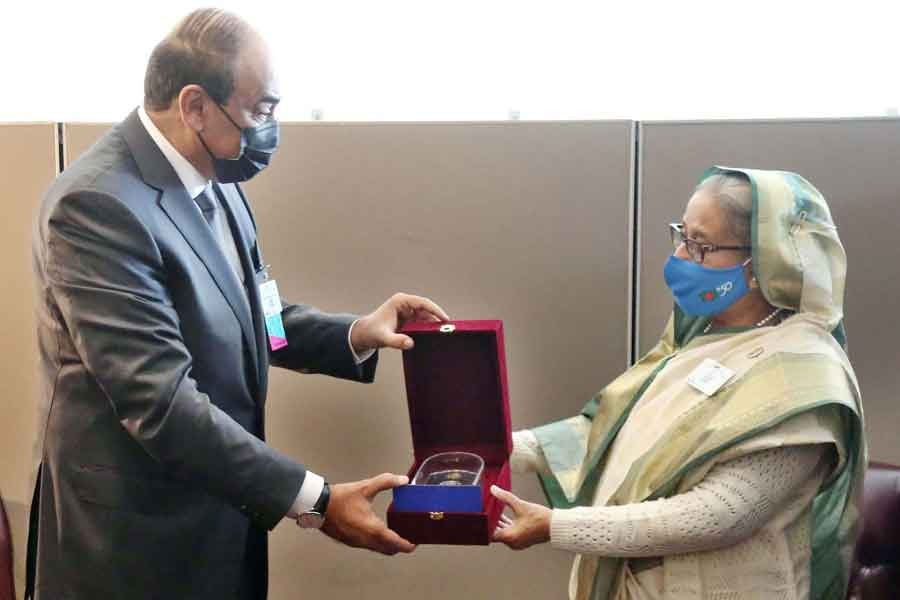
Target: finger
(506,520)
(385,481)
(397,341)
(504,536)
(507,498)
(422,315)
(416,304)
(391,541)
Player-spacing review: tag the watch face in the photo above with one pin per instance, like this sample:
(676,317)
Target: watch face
(311,520)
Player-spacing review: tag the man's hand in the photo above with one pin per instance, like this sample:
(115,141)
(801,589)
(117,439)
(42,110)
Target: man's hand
(531,525)
(349,518)
(379,328)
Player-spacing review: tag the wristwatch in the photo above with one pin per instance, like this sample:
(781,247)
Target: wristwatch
(315,517)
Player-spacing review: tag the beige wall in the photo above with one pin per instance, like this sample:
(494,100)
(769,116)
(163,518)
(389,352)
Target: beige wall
(526,222)
(28,163)
(854,163)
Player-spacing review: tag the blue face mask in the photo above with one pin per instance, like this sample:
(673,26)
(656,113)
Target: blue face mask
(703,291)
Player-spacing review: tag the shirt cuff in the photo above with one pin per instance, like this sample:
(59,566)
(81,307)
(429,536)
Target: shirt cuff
(365,355)
(308,495)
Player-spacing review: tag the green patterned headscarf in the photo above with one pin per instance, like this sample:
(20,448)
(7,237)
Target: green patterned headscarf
(797,256)
(800,265)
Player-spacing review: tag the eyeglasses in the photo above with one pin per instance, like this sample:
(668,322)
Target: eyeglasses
(696,250)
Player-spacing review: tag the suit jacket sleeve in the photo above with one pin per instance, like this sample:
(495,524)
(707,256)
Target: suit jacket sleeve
(109,281)
(318,343)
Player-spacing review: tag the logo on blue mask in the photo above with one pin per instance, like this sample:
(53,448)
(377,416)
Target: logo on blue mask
(703,291)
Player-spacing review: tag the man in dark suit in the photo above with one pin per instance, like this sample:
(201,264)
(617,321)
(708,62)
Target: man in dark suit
(157,322)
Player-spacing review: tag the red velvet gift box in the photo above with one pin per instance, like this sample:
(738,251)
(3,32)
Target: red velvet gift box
(458,400)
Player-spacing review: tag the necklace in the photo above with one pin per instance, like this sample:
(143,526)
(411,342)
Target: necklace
(765,320)
(769,317)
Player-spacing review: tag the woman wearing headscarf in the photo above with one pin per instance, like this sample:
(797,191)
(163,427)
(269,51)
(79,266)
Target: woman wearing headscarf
(726,463)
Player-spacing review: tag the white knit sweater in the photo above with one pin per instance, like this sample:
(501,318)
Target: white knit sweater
(734,501)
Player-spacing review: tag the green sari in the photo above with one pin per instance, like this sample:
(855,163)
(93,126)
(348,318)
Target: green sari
(796,370)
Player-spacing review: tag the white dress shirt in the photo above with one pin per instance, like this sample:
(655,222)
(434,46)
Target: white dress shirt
(195,184)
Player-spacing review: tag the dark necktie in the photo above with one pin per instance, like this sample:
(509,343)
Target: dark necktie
(209,209)
(218,223)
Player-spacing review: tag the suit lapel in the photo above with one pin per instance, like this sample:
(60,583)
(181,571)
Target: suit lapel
(236,209)
(180,209)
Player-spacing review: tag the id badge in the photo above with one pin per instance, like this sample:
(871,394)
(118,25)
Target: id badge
(709,377)
(271,305)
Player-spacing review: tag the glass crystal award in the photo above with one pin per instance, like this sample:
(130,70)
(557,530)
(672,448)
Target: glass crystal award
(450,468)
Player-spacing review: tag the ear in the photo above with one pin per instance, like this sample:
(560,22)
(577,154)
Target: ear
(193,106)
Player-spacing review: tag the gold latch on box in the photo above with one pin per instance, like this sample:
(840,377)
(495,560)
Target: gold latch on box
(436,516)
(448,328)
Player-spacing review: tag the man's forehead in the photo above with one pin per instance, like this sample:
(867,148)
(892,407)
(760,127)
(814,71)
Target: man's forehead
(255,78)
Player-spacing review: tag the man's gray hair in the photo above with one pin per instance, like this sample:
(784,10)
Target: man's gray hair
(202,49)
(735,197)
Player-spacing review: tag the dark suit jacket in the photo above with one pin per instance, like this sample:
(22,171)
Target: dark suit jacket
(155,479)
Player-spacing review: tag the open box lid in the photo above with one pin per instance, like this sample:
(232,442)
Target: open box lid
(456,388)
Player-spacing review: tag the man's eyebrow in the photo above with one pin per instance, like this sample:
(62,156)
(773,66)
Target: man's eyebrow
(269,99)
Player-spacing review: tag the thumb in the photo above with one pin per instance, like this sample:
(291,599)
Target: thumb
(397,341)
(507,498)
(385,481)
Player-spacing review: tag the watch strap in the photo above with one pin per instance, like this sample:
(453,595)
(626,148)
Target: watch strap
(322,503)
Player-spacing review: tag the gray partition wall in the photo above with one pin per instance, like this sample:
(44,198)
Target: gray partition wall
(854,162)
(525,222)
(28,163)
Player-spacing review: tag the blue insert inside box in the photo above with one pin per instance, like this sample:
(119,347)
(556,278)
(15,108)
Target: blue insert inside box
(426,498)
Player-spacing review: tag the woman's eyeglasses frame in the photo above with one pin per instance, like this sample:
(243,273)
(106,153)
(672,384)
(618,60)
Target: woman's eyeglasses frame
(697,250)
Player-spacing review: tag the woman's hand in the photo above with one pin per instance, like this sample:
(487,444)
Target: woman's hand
(531,524)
